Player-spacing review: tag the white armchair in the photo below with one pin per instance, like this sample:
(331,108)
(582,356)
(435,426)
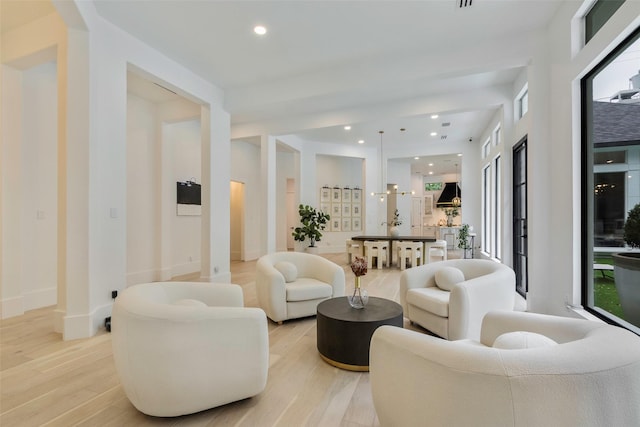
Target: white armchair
(453,305)
(591,377)
(183,347)
(290,285)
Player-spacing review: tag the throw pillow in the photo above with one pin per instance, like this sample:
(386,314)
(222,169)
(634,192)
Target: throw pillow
(519,340)
(190,302)
(288,270)
(448,277)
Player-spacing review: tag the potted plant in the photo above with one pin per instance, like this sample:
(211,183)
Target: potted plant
(626,269)
(313,222)
(395,222)
(451,213)
(463,239)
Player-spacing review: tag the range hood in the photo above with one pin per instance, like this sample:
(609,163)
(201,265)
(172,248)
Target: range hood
(447,195)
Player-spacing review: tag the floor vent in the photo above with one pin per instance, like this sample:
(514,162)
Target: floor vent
(464,3)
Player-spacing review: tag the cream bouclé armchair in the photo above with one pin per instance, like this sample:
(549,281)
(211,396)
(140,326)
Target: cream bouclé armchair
(526,370)
(290,285)
(450,298)
(183,347)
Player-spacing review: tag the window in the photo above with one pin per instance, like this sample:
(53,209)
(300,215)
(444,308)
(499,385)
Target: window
(610,177)
(496,217)
(598,15)
(486,209)
(496,136)
(522,103)
(486,148)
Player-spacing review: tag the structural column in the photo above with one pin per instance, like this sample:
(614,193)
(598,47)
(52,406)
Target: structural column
(268,202)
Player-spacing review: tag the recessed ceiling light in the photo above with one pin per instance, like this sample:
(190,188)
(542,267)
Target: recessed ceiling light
(459,154)
(430,173)
(434,116)
(361,141)
(416,158)
(260,30)
(347,127)
(433,133)
(430,164)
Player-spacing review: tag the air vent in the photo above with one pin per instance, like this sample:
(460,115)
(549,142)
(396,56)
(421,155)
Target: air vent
(443,137)
(464,3)
(445,124)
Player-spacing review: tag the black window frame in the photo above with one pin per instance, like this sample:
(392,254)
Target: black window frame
(587,184)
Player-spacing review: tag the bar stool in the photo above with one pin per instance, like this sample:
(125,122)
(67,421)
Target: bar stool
(409,250)
(437,248)
(378,249)
(354,247)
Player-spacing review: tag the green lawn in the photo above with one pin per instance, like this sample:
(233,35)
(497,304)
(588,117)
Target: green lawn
(605,294)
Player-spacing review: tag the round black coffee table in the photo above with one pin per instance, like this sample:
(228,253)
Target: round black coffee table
(344,333)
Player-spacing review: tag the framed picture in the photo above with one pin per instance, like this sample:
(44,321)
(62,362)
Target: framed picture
(346,224)
(355,209)
(432,186)
(325,195)
(346,195)
(356,195)
(428,204)
(346,210)
(336,210)
(336,195)
(325,207)
(356,224)
(335,224)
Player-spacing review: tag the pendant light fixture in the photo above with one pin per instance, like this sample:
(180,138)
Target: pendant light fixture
(456,201)
(382,194)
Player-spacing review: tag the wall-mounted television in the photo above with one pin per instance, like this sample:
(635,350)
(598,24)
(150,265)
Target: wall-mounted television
(188,193)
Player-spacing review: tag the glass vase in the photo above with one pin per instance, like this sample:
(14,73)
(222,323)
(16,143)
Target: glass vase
(360,297)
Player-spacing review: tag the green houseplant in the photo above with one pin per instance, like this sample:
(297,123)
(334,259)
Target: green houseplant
(463,239)
(626,268)
(312,223)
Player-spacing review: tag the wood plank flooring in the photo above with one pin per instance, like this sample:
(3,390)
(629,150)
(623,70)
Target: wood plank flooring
(45,381)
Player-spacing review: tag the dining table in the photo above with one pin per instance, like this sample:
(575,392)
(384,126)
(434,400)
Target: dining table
(391,239)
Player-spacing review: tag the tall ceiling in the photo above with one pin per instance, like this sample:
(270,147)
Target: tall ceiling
(325,64)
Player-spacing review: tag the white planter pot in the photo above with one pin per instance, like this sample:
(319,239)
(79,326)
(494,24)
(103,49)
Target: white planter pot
(394,231)
(312,250)
(626,270)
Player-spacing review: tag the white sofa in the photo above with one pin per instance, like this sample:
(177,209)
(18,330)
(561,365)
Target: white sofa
(183,347)
(290,285)
(591,377)
(456,313)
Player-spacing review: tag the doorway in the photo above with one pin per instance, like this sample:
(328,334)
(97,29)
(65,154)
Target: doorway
(292,213)
(520,216)
(236,235)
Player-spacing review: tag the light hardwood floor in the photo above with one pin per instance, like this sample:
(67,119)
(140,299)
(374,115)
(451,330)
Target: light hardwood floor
(50,382)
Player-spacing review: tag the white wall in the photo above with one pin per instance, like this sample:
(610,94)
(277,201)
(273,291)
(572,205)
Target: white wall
(163,147)
(39,186)
(245,168)
(185,151)
(342,172)
(143,228)
(93,145)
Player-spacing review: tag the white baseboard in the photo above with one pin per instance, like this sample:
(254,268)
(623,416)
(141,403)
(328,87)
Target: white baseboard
(11,307)
(41,298)
(143,277)
(186,268)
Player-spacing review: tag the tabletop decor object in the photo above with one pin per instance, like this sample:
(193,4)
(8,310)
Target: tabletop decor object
(360,296)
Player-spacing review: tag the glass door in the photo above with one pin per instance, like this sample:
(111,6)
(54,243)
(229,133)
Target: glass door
(520,216)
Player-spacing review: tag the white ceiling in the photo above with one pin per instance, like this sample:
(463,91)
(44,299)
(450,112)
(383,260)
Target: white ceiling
(323,64)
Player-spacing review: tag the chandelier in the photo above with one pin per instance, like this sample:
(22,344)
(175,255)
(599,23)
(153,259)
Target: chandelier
(456,201)
(382,194)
